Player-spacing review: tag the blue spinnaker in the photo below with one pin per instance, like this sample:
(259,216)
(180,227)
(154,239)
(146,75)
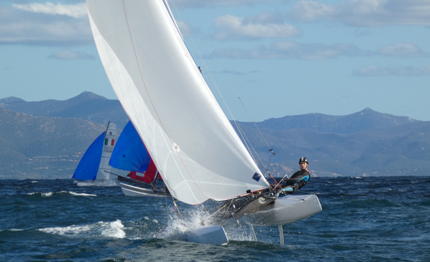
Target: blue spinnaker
(130,153)
(90,162)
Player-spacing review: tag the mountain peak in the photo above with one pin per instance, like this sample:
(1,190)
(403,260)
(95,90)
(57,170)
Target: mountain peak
(11,99)
(368,111)
(87,96)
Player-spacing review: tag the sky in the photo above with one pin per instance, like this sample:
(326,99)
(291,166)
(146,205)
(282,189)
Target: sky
(262,58)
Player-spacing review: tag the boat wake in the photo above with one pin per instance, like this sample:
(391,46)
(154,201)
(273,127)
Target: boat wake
(178,227)
(186,222)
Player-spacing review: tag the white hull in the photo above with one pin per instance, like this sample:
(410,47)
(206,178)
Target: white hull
(213,235)
(285,210)
(137,191)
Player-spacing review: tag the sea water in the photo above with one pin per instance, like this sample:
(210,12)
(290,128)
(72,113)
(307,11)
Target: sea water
(363,219)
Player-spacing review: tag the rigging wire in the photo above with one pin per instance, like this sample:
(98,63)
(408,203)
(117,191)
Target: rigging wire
(262,136)
(203,61)
(244,138)
(248,144)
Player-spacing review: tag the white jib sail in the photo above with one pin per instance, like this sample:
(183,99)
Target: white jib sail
(187,134)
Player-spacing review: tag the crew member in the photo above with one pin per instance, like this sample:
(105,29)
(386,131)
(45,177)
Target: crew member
(297,180)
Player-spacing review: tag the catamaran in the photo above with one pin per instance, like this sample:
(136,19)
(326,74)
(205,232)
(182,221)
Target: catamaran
(184,129)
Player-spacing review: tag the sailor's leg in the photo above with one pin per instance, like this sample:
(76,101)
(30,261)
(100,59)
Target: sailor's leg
(286,190)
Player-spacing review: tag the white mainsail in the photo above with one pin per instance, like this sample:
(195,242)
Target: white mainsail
(108,145)
(187,134)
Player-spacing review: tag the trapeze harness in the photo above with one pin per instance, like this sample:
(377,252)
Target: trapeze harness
(294,183)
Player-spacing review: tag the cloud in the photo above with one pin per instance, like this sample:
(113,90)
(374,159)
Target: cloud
(75,11)
(317,51)
(70,55)
(365,13)
(261,26)
(392,71)
(45,24)
(402,50)
(213,3)
(311,11)
(292,50)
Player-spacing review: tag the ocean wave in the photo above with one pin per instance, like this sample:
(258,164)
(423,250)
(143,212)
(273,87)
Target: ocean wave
(42,194)
(98,183)
(369,219)
(49,194)
(12,230)
(113,229)
(82,194)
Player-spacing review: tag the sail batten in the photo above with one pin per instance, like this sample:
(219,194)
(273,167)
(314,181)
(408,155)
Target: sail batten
(172,108)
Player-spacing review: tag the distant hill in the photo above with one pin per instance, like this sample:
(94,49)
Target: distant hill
(86,106)
(390,151)
(357,122)
(363,143)
(47,139)
(42,147)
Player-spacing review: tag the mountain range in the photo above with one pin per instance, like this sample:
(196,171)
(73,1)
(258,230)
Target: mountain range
(86,106)
(46,139)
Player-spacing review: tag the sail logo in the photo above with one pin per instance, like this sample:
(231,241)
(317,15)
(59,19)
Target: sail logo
(256,177)
(112,142)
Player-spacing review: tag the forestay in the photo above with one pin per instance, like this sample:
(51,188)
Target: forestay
(162,91)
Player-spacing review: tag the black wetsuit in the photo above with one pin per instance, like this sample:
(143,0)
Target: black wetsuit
(295,182)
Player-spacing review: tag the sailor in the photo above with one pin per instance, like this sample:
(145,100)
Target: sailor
(297,180)
(255,202)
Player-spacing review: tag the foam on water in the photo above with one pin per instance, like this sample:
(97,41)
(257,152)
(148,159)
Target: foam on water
(98,183)
(42,194)
(106,229)
(186,221)
(82,194)
(113,229)
(49,194)
(197,218)
(153,220)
